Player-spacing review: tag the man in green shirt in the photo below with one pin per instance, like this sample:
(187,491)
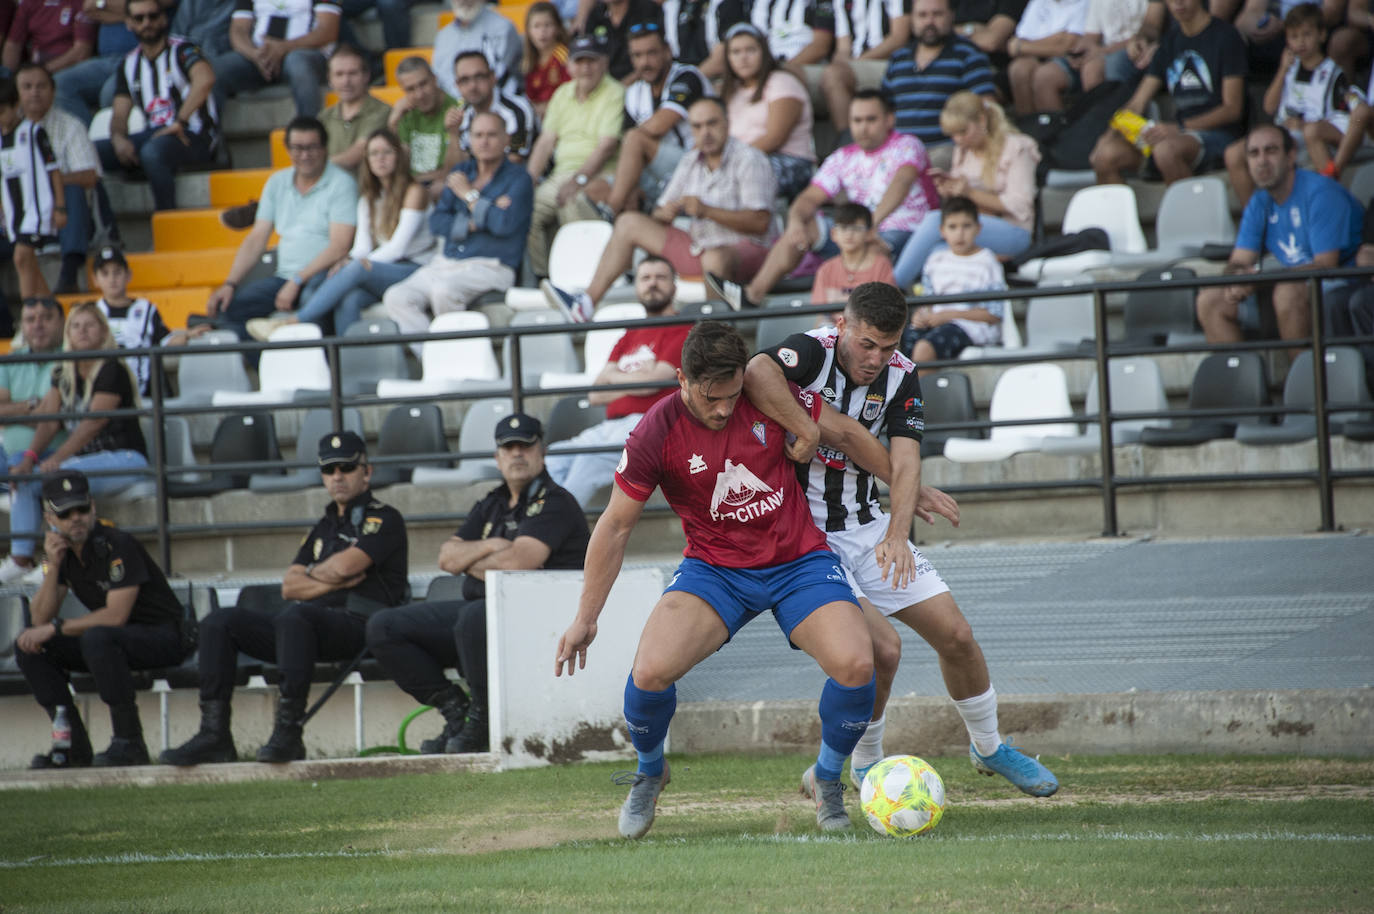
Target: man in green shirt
(581,133)
(351,120)
(22,385)
(418,120)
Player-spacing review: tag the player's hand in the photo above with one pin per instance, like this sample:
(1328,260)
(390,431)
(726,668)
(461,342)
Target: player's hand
(32,639)
(803,447)
(55,547)
(572,647)
(930,501)
(1159,133)
(895,558)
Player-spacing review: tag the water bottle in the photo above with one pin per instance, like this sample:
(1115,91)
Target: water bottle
(61,736)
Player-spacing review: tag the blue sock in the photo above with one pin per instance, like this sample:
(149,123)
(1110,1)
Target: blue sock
(647,715)
(845,713)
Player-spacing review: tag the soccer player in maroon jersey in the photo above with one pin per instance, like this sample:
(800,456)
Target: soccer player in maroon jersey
(727,470)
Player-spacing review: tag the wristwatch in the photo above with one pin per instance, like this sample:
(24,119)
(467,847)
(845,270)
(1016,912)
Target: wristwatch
(580,179)
(472,196)
(57,625)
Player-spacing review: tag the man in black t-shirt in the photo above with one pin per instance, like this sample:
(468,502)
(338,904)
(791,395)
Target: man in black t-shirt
(351,564)
(134,622)
(527,522)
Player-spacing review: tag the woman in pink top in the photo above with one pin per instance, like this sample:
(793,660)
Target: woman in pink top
(994,166)
(769,108)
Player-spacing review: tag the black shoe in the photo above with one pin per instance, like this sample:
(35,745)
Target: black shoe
(474,735)
(732,293)
(285,743)
(453,704)
(239,218)
(122,752)
(212,743)
(65,758)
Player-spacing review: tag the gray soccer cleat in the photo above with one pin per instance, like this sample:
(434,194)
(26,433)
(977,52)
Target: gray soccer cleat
(829,796)
(637,814)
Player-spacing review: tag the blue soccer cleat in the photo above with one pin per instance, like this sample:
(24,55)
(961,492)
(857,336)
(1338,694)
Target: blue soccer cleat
(1026,773)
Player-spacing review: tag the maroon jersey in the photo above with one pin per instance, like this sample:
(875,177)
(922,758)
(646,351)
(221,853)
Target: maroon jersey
(735,490)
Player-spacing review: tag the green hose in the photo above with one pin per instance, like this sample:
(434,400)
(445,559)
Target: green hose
(400,747)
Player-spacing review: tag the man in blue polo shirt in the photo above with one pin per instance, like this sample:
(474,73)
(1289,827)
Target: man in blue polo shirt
(929,70)
(313,208)
(1306,220)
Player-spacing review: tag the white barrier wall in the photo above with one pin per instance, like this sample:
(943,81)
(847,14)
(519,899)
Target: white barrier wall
(537,719)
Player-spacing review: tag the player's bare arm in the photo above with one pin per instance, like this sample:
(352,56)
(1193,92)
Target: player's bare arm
(605,555)
(894,554)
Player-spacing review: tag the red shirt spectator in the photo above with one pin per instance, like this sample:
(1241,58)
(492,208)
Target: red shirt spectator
(55,33)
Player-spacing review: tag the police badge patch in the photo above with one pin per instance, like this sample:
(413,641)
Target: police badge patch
(319,547)
(372,525)
(116,570)
(535,508)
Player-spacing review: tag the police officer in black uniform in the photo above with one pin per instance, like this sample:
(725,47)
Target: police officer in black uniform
(525,523)
(134,623)
(351,564)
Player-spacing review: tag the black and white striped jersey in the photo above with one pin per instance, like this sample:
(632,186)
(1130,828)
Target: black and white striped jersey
(516,111)
(26,194)
(867,22)
(157,87)
(842,495)
(683,85)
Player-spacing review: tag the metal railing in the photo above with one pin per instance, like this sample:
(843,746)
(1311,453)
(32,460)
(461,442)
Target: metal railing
(1109,483)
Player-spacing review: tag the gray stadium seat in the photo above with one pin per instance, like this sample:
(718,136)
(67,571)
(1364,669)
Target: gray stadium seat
(1061,322)
(1136,386)
(539,352)
(316,424)
(571,416)
(202,370)
(1345,385)
(361,367)
(415,429)
(776,329)
(1224,380)
(1151,316)
(240,438)
(445,587)
(948,398)
(476,436)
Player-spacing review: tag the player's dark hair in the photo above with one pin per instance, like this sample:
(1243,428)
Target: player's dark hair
(308,124)
(32,67)
(714,351)
(347,50)
(880,305)
(1289,144)
(958,205)
(655,258)
(1304,14)
(9,92)
(877,95)
(712,100)
(853,214)
(469,55)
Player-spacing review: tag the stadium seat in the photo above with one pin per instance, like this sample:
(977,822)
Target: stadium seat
(99,128)
(408,430)
(240,438)
(362,367)
(1360,180)
(445,587)
(179,453)
(1062,323)
(237,186)
(1345,386)
(389,95)
(315,425)
(773,330)
(477,436)
(1136,386)
(173,269)
(200,375)
(195,230)
(393,57)
(1110,207)
(1224,380)
(542,352)
(1038,391)
(596,347)
(1011,338)
(573,256)
(1194,212)
(571,416)
(948,399)
(285,374)
(449,365)
(13,607)
(276,147)
(1151,317)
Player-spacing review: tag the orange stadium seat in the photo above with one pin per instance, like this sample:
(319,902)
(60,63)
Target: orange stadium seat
(175,305)
(392,59)
(171,269)
(194,230)
(232,188)
(389,95)
(515,12)
(276,142)
(5,346)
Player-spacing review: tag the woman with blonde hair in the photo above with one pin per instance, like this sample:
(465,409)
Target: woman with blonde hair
(994,166)
(391,241)
(93,445)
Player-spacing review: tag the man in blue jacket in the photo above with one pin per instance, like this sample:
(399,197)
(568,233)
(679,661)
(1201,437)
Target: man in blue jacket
(481,220)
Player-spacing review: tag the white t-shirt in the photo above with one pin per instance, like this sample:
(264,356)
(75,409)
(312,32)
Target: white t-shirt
(946,273)
(1043,18)
(1114,20)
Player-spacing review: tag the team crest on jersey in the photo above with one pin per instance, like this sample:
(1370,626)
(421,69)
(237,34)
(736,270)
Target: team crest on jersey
(788,357)
(1295,217)
(760,432)
(116,570)
(696,465)
(873,405)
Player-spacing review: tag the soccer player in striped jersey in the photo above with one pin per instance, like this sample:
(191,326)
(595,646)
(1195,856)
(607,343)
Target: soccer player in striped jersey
(855,367)
(726,469)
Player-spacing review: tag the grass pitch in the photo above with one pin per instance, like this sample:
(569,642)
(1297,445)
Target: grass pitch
(1124,834)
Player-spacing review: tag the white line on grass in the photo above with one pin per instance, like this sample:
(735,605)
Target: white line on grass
(187,857)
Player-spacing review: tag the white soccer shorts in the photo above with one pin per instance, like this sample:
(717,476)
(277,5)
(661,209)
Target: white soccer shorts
(855,549)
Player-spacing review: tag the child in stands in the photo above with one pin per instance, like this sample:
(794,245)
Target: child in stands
(857,262)
(135,322)
(943,331)
(1309,97)
(30,191)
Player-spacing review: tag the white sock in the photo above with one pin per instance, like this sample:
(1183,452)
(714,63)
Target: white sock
(980,717)
(869,751)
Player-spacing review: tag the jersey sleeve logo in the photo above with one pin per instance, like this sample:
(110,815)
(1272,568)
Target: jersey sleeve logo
(788,357)
(624,461)
(696,465)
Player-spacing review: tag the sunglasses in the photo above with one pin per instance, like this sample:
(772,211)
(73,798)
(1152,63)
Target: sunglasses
(640,28)
(344,468)
(75,509)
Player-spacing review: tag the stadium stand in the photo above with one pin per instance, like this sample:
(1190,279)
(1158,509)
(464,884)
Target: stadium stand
(1224,381)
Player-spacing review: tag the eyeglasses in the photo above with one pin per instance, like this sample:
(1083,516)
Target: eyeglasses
(642,28)
(344,468)
(473,77)
(74,509)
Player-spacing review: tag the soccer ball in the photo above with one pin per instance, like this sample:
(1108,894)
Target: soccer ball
(902,796)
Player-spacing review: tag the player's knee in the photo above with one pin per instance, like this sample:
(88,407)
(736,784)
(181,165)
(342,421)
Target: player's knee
(647,677)
(1235,156)
(957,642)
(887,656)
(854,671)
